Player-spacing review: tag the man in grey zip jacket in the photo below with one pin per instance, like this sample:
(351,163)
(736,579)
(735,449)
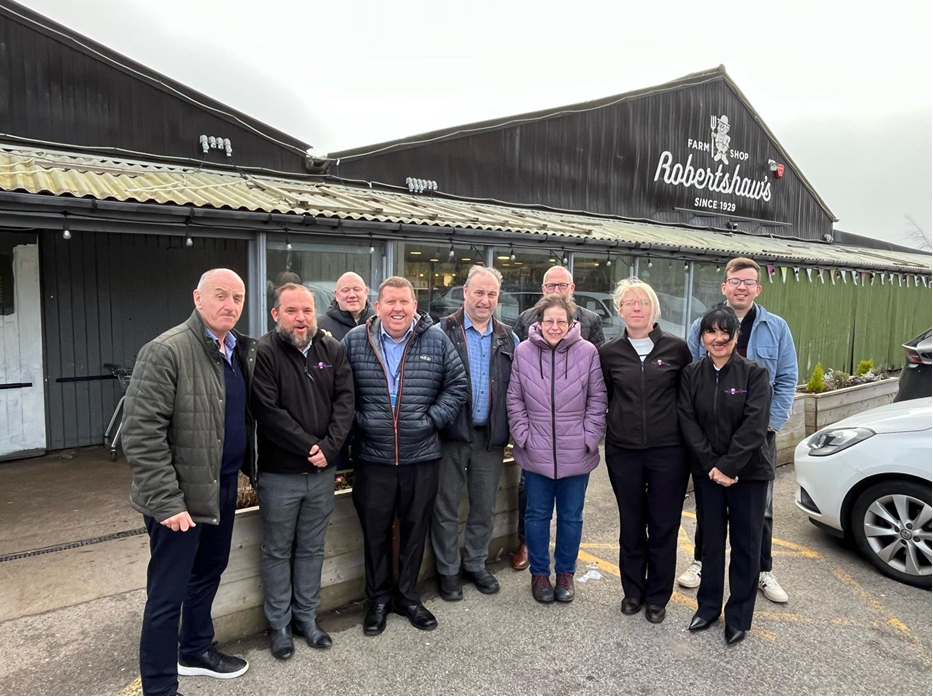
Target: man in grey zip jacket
(187,434)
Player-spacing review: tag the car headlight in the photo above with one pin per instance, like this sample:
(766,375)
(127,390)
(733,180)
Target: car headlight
(832,440)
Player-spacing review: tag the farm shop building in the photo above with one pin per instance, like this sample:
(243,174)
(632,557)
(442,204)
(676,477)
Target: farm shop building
(119,186)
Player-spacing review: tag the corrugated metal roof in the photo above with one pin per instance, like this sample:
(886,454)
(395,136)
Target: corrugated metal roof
(81,175)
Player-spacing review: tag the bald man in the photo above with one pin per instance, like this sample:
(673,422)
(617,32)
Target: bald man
(350,307)
(186,435)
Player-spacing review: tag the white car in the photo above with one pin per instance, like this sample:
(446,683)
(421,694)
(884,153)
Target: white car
(868,477)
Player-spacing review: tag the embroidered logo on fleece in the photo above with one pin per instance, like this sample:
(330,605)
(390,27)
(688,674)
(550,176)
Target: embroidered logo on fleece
(322,365)
(661,363)
(735,390)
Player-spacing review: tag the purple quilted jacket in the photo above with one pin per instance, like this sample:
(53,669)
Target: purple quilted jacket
(557,405)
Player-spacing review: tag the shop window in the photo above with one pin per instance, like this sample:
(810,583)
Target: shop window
(318,266)
(437,276)
(707,289)
(6,284)
(595,282)
(669,280)
(521,278)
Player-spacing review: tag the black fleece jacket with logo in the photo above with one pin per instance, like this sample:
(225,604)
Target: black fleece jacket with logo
(724,417)
(299,402)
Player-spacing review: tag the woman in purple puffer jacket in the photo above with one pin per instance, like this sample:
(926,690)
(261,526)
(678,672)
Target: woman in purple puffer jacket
(557,416)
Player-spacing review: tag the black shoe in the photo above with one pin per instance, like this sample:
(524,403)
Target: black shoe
(630,607)
(655,613)
(698,624)
(733,635)
(484,581)
(449,587)
(316,637)
(281,643)
(213,664)
(419,616)
(375,621)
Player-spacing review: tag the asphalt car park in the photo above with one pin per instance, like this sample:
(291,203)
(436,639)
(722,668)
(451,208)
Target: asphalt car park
(846,630)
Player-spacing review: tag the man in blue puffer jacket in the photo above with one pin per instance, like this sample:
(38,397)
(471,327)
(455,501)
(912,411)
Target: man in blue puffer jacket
(410,384)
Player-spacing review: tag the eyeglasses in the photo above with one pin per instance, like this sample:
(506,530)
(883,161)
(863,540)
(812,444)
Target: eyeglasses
(555,323)
(628,304)
(551,287)
(736,282)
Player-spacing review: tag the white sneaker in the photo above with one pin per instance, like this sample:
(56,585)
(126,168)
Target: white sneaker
(771,588)
(691,577)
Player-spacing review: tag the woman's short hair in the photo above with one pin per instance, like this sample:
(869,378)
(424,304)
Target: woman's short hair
(564,302)
(721,317)
(636,286)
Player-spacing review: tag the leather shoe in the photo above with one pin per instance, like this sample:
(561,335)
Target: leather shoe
(375,621)
(698,624)
(655,614)
(449,587)
(419,616)
(541,589)
(281,643)
(564,592)
(733,635)
(484,581)
(316,637)
(520,557)
(630,607)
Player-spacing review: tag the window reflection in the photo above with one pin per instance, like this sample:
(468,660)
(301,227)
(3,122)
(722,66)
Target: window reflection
(595,282)
(521,278)
(707,289)
(669,281)
(436,275)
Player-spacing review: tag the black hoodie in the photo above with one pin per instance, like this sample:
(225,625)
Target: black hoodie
(338,322)
(724,417)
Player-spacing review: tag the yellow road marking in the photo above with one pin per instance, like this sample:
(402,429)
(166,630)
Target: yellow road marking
(800,549)
(133,689)
(596,545)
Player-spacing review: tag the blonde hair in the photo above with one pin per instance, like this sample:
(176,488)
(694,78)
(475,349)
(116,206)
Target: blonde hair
(639,288)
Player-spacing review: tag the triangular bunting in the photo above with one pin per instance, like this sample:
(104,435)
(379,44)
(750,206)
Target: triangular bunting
(843,274)
(832,276)
(797,274)
(810,275)
(819,272)
(771,273)
(784,274)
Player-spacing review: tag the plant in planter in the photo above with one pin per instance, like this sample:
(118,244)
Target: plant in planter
(817,382)
(832,380)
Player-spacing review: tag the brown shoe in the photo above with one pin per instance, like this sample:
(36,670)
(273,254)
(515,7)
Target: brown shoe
(564,591)
(541,589)
(520,557)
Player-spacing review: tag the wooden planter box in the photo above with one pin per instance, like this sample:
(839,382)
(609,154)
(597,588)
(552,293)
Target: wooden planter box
(821,410)
(237,607)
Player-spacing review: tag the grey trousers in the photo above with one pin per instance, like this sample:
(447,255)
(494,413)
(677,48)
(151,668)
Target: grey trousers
(295,510)
(479,469)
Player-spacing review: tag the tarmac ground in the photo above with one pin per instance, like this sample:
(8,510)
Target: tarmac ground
(846,630)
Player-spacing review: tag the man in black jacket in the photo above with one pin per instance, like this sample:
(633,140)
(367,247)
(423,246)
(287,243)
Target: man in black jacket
(350,308)
(410,385)
(474,445)
(187,433)
(303,401)
(557,279)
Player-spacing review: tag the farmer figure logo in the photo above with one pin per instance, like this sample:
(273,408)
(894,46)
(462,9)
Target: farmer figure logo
(720,128)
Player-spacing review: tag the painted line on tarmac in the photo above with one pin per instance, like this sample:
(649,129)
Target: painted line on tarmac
(134,689)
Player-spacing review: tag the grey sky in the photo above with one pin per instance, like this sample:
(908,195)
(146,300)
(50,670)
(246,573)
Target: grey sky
(846,87)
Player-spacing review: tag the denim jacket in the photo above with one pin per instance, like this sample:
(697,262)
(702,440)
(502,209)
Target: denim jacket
(772,346)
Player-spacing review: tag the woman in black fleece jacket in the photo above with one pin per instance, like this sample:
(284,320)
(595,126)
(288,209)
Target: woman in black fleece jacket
(724,407)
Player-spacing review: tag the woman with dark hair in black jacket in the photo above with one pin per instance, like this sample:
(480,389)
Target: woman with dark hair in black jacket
(724,407)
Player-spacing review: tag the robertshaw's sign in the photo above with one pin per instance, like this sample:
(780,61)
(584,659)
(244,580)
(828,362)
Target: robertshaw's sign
(722,175)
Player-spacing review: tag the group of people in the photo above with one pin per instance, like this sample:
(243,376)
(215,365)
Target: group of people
(424,410)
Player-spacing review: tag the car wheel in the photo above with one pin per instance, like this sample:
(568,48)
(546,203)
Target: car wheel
(891,523)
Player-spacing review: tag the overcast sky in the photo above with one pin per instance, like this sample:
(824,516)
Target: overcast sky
(846,87)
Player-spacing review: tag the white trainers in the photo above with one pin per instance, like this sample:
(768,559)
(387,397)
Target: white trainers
(691,577)
(771,588)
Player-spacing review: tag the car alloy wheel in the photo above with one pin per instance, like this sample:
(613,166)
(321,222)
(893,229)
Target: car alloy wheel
(892,525)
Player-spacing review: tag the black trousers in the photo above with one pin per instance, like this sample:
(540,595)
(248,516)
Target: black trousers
(380,492)
(183,576)
(649,486)
(766,530)
(741,509)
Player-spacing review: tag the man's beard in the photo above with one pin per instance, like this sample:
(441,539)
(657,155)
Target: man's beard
(291,337)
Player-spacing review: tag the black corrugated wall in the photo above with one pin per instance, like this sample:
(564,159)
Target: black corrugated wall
(104,296)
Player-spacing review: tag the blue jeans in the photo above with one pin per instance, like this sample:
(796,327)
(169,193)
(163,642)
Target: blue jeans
(542,493)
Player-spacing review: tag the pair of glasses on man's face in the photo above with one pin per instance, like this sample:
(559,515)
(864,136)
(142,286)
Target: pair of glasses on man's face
(736,282)
(551,287)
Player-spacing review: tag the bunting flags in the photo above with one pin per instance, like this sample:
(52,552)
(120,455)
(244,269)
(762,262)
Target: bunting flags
(810,274)
(832,276)
(819,272)
(843,274)
(797,274)
(784,274)
(865,275)
(771,273)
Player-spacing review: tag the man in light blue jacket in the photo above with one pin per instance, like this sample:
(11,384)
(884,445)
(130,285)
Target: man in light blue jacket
(766,339)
